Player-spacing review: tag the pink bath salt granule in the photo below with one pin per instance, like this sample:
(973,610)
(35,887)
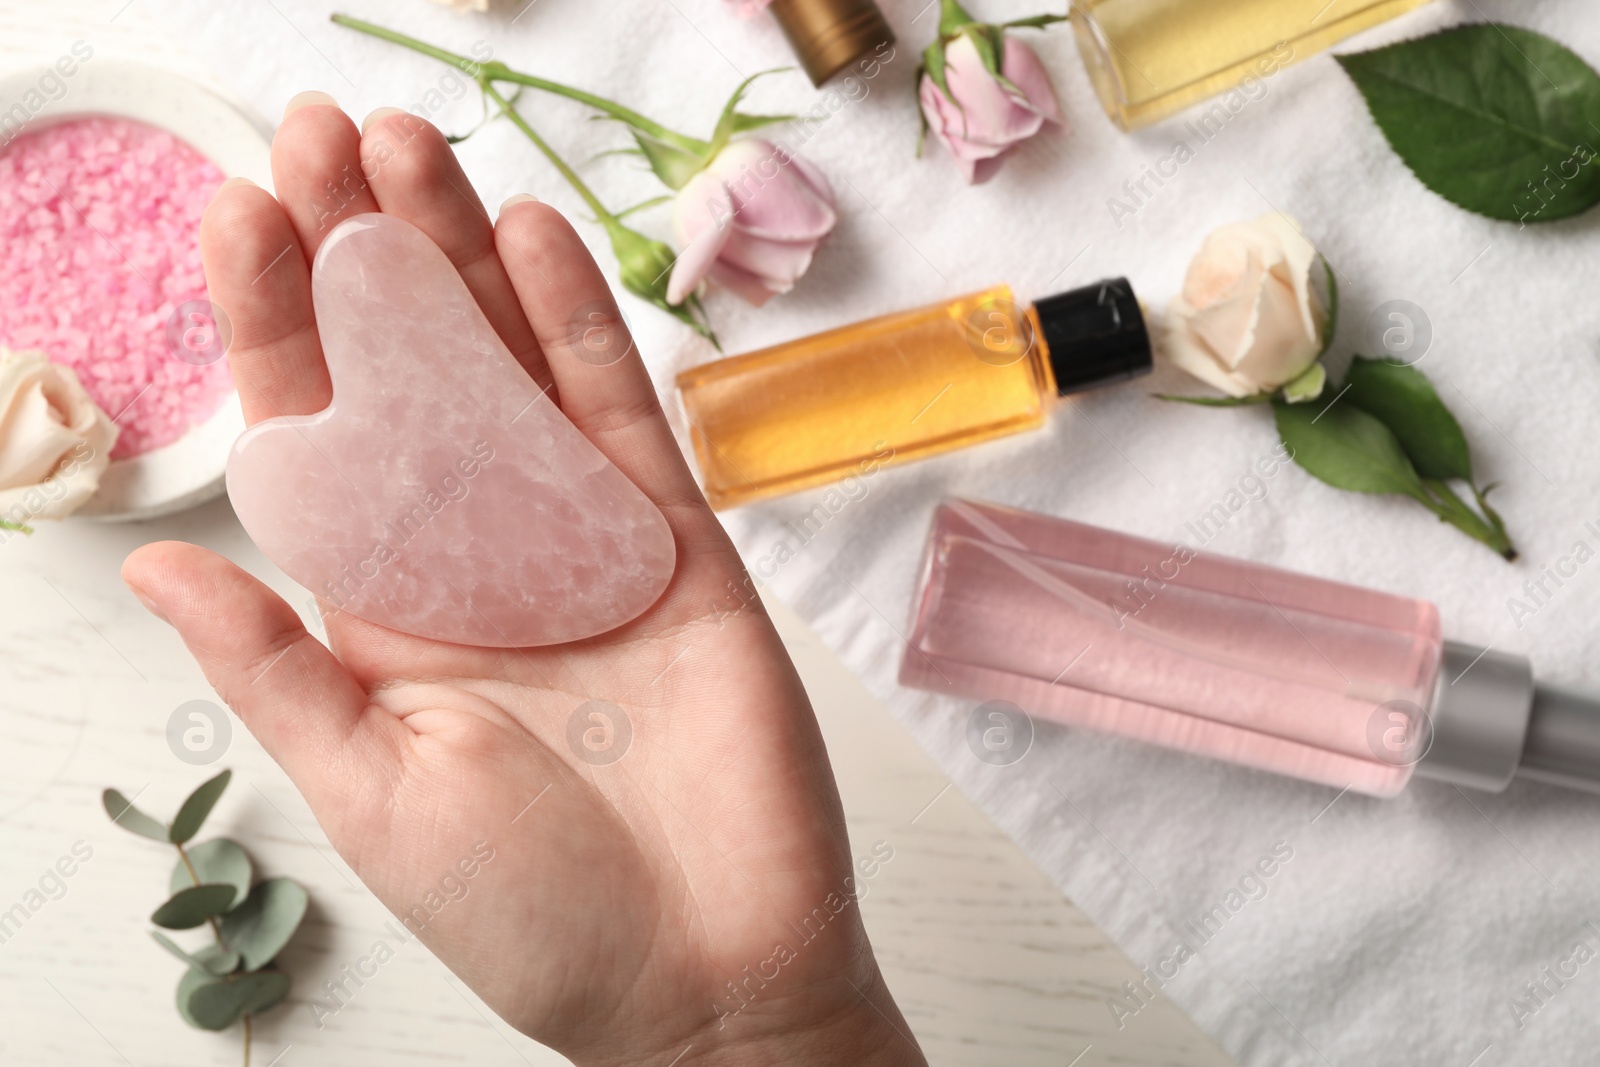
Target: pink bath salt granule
(100,222)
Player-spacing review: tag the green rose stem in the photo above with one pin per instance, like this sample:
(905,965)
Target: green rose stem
(497,71)
(1443,502)
(645,264)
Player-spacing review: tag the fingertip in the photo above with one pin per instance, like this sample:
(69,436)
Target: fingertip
(239,209)
(535,230)
(514,199)
(377,115)
(166,575)
(137,576)
(309,98)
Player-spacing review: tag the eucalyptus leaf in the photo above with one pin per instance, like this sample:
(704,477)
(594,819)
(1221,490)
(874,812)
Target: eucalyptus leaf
(260,927)
(130,818)
(188,908)
(212,959)
(193,813)
(217,862)
(211,1003)
(1347,448)
(1494,118)
(1402,398)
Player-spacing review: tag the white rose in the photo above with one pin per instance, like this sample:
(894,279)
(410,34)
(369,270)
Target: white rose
(1248,320)
(55,442)
(465,5)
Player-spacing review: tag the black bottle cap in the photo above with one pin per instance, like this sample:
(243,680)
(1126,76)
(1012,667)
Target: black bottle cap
(1095,335)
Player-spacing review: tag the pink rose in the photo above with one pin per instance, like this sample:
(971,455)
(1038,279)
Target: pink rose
(749,221)
(982,119)
(746,8)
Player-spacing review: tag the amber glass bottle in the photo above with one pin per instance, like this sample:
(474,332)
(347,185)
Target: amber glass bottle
(903,386)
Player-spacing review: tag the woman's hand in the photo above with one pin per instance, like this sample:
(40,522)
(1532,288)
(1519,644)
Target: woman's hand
(690,899)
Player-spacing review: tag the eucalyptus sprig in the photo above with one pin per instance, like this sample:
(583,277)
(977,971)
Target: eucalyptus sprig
(645,264)
(234,977)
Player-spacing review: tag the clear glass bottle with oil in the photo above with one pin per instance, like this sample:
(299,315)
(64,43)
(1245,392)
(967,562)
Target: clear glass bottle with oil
(912,384)
(1149,58)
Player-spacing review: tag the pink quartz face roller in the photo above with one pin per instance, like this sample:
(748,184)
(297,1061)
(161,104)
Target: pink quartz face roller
(1220,657)
(441,493)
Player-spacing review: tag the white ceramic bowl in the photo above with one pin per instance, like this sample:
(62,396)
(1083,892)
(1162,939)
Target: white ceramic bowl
(189,471)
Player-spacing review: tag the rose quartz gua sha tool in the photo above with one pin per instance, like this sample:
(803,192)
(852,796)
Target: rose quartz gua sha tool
(442,493)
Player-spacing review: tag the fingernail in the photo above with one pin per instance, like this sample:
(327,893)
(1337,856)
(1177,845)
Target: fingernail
(308,98)
(380,113)
(520,198)
(149,605)
(237,183)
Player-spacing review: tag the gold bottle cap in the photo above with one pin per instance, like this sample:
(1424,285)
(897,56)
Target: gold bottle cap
(829,35)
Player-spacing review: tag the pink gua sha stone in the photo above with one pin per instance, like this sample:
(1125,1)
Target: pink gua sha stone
(442,493)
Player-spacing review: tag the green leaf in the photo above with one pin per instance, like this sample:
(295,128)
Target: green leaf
(1034,22)
(1217,401)
(1403,399)
(672,165)
(217,862)
(1347,448)
(1493,118)
(130,818)
(990,45)
(194,811)
(743,123)
(933,66)
(728,121)
(188,908)
(644,206)
(211,1003)
(260,927)
(1308,386)
(1331,325)
(952,17)
(212,959)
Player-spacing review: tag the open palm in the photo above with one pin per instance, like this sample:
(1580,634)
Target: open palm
(631,846)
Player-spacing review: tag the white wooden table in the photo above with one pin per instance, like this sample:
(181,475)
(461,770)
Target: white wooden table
(991,965)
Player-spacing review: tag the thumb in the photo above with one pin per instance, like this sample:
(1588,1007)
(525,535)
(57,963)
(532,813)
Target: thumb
(290,691)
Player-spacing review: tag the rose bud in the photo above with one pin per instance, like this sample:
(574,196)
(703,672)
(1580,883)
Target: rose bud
(750,221)
(1249,320)
(984,92)
(55,442)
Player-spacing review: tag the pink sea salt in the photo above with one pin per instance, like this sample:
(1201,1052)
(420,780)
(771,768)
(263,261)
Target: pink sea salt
(99,222)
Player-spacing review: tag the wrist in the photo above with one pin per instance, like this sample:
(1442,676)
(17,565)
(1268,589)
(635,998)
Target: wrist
(856,1024)
(849,1020)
